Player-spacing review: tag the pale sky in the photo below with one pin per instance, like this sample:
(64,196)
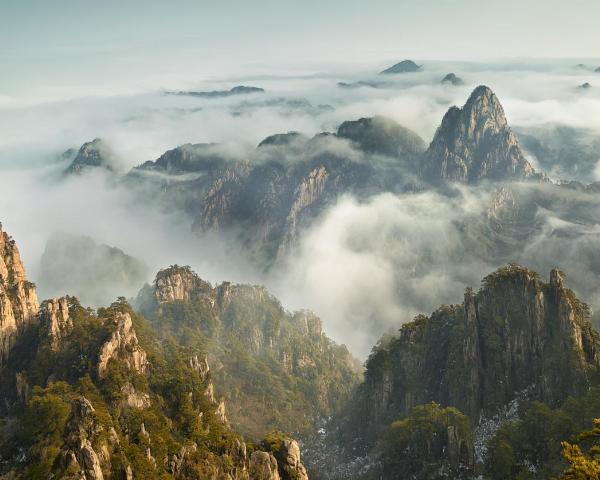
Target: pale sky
(76,43)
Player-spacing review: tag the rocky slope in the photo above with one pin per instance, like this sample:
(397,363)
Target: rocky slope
(277,364)
(94,395)
(475,143)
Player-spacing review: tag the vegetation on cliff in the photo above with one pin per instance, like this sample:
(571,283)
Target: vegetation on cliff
(276,364)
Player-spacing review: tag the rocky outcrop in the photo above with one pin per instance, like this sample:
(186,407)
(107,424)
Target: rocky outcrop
(79,455)
(405,66)
(179,284)
(288,458)
(474,143)
(92,155)
(516,333)
(263,466)
(123,346)
(55,321)
(18,300)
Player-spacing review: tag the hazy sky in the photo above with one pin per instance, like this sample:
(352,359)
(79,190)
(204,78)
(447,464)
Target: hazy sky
(46,45)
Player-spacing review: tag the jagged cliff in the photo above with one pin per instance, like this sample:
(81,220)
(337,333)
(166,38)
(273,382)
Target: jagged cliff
(516,334)
(18,299)
(85,397)
(278,364)
(475,143)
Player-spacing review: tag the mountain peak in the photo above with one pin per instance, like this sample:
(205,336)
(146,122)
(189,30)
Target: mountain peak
(91,155)
(475,143)
(405,66)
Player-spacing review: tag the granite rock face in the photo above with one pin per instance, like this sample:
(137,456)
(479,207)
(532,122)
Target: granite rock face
(475,143)
(122,345)
(179,284)
(18,300)
(55,320)
(516,333)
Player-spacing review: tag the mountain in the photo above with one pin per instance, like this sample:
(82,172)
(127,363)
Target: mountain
(92,155)
(518,338)
(94,273)
(239,90)
(281,186)
(96,395)
(452,79)
(266,197)
(475,143)
(276,364)
(383,136)
(405,66)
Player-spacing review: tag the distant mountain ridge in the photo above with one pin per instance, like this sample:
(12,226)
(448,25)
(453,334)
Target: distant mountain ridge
(268,198)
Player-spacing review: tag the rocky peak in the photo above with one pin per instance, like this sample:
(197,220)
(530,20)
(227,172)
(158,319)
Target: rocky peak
(122,345)
(179,283)
(18,299)
(55,320)
(91,155)
(405,66)
(475,143)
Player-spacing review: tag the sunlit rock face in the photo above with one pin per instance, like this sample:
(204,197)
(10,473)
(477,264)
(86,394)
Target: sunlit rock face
(18,300)
(475,143)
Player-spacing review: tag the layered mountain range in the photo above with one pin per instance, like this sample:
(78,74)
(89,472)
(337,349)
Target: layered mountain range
(266,199)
